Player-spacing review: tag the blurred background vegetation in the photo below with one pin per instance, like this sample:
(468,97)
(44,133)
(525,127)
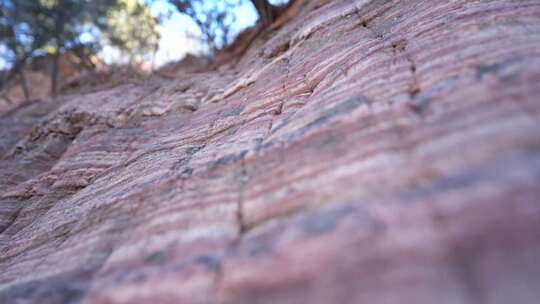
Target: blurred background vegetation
(142,34)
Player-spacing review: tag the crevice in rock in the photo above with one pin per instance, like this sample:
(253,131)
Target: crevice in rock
(11,220)
(350,155)
(366,21)
(42,149)
(182,165)
(242,227)
(37,208)
(278,50)
(399,48)
(418,105)
(462,259)
(302,34)
(59,232)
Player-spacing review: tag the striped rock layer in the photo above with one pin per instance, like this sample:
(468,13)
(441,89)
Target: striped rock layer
(366,152)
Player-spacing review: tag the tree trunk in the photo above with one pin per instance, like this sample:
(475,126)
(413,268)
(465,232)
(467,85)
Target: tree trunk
(20,62)
(59,28)
(24,85)
(54,72)
(265,10)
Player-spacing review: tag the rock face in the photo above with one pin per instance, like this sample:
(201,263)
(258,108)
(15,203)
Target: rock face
(366,152)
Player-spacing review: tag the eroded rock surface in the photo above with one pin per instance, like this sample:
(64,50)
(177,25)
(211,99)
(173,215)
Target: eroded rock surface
(366,152)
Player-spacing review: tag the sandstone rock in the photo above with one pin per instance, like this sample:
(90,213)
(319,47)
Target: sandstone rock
(366,152)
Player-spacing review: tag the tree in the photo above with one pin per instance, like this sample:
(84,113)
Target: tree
(65,20)
(20,37)
(214,18)
(31,28)
(267,12)
(133,30)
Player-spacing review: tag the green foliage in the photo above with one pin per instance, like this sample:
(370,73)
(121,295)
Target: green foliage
(63,21)
(29,28)
(133,30)
(20,36)
(215,18)
(18,30)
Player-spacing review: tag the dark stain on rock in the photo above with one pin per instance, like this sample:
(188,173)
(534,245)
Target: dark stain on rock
(327,220)
(260,249)
(324,221)
(464,262)
(343,108)
(276,49)
(285,122)
(420,105)
(139,278)
(210,262)
(234,111)
(187,172)
(182,87)
(179,163)
(57,289)
(192,150)
(189,107)
(494,68)
(229,158)
(156,257)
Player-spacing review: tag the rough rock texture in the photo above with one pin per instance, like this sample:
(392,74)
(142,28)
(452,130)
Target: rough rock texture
(366,152)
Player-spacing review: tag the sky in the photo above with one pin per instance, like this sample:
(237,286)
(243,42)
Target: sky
(174,43)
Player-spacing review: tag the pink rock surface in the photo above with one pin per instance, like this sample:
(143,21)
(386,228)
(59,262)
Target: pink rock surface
(367,152)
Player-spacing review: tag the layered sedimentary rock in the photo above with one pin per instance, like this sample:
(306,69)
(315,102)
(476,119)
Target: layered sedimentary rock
(366,152)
